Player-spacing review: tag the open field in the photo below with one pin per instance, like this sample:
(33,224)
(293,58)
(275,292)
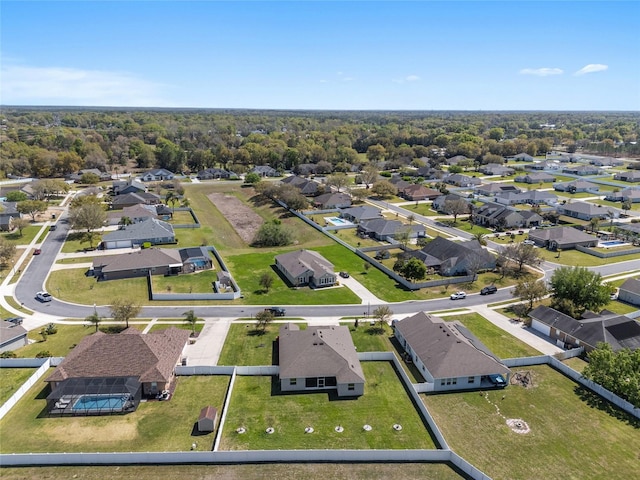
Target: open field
(73,286)
(574,434)
(257,403)
(146,429)
(327,471)
(501,343)
(11,379)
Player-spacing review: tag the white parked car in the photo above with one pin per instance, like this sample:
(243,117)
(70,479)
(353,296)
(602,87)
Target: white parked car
(458,296)
(44,296)
(529,242)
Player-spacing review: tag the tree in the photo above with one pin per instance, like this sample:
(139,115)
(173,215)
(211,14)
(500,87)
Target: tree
(337,180)
(618,372)
(31,207)
(411,218)
(594,223)
(190,318)
(626,205)
(20,224)
(530,291)
(456,207)
(359,194)
(94,319)
(7,251)
(403,235)
(88,217)
(369,174)
(273,234)
(383,315)
(263,319)
(414,269)
(481,238)
(522,254)
(576,289)
(123,310)
(376,153)
(89,178)
(384,189)
(251,178)
(16,196)
(266,281)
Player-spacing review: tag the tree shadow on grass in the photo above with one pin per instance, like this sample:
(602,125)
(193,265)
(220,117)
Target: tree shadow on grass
(596,401)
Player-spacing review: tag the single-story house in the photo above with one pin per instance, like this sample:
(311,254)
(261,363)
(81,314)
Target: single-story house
(131,199)
(439,203)
(456,160)
(306,267)
(562,238)
(462,180)
(495,169)
(265,171)
(630,176)
(617,330)
(361,213)
(418,192)
(521,157)
(131,185)
(126,365)
(8,211)
(136,213)
(632,194)
(319,358)
(606,162)
(577,186)
(586,211)
(77,176)
(151,230)
(305,169)
(332,200)
(12,336)
(496,215)
(157,175)
(385,230)
(582,170)
(306,187)
(535,177)
(531,197)
(447,354)
(451,258)
(490,189)
(629,291)
(214,173)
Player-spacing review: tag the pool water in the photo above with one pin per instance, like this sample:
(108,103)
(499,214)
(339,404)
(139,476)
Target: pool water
(611,243)
(200,263)
(97,403)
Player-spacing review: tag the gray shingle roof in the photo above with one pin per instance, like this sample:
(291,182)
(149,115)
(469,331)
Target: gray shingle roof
(149,228)
(561,235)
(145,258)
(300,261)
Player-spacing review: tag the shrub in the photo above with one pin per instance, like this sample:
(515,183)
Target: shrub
(44,354)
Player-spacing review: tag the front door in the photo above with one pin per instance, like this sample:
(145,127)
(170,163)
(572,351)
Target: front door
(321,382)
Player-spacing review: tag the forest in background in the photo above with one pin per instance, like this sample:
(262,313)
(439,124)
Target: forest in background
(54,142)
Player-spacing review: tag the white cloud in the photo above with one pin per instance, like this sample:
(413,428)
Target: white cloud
(408,78)
(592,68)
(541,72)
(70,86)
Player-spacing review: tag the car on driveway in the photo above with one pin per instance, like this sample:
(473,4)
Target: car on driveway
(529,242)
(458,296)
(44,296)
(497,380)
(14,320)
(488,290)
(344,274)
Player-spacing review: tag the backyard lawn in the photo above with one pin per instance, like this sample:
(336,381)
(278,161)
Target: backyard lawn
(198,282)
(367,338)
(574,257)
(574,434)
(501,343)
(154,426)
(257,403)
(11,379)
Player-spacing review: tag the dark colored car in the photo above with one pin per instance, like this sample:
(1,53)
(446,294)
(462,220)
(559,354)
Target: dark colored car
(489,290)
(14,320)
(37,251)
(344,274)
(497,380)
(277,311)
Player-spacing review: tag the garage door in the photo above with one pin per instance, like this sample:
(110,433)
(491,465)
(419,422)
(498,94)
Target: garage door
(541,327)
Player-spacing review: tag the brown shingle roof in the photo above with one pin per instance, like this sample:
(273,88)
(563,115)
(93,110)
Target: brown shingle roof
(150,357)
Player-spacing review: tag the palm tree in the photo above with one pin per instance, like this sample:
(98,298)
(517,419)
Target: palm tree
(481,238)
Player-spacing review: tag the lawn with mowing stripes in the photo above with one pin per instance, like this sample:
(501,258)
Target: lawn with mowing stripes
(257,403)
(11,379)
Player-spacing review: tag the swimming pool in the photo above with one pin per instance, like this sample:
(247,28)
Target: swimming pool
(337,221)
(200,263)
(612,243)
(96,403)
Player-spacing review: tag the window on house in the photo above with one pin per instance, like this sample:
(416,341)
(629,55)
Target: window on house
(351,386)
(293,381)
(442,382)
(454,381)
(311,382)
(448,381)
(471,379)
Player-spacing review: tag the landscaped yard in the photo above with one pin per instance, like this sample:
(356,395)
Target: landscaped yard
(573,435)
(11,379)
(182,217)
(423,209)
(246,346)
(257,403)
(501,343)
(75,242)
(154,426)
(28,234)
(367,338)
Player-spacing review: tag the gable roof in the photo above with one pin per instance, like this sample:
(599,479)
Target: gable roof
(448,349)
(330,199)
(133,198)
(150,357)
(585,208)
(145,258)
(9,331)
(561,235)
(148,228)
(319,352)
(445,249)
(159,172)
(631,285)
(365,212)
(301,261)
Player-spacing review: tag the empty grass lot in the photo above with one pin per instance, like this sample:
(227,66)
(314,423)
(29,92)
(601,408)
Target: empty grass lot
(73,286)
(326,471)
(571,436)
(246,346)
(154,426)
(11,379)
(198,282)
(574,257)
(257,403)
(501,343)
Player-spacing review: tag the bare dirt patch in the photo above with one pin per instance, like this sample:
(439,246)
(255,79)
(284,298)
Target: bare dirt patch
(242,218)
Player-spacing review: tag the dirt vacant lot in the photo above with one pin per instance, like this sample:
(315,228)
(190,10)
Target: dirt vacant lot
(243,219)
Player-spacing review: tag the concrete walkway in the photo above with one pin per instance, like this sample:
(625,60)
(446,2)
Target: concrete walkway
(517,329)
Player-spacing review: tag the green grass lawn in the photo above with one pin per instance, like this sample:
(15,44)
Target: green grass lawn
(574,257)
(28,234)
(367,338)
(351,237)
(257,403)
(575,363)
(245,346)
(12,301)
(73,286)
(11,379)
(75,243)
(70,261)
(635,207)
(423,209)
(198,282)
(182,218)
(182,325)
(154,426)
(501,343)
(574,435)
(620,307)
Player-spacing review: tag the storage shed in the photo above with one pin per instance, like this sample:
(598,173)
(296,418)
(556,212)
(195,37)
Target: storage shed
(207,419)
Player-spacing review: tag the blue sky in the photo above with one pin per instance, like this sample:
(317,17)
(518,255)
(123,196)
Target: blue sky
(416,55)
